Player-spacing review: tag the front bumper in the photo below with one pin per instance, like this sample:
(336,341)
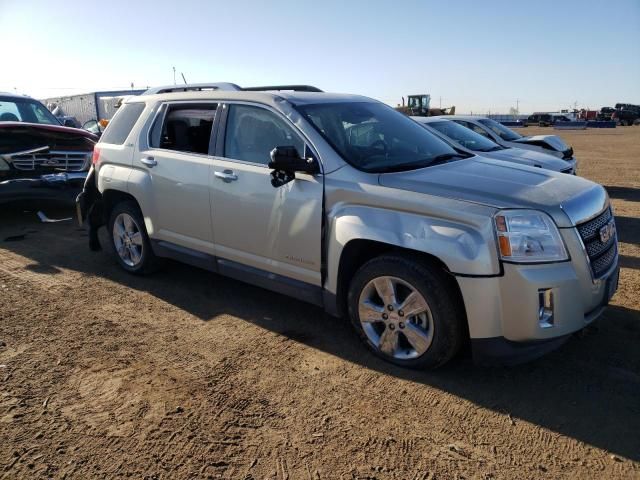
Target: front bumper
(504,313)
(60,187)
(571,166)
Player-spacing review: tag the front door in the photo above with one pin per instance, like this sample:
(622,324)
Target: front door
(179,166)
(276,230)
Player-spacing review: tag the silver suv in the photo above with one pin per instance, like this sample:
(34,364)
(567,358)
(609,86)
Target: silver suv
(343,202)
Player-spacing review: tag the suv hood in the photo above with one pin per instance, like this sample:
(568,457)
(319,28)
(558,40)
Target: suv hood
(568,199)
(531,158)
(553,141)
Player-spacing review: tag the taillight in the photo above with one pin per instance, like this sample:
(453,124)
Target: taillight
(96,156)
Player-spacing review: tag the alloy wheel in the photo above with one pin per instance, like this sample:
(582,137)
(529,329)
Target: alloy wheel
(396,318)
(127,239)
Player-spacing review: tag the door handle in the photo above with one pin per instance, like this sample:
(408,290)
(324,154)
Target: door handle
(149,161)
(226,176)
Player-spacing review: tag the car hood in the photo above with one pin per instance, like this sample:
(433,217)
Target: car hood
(553,141)
(567,198)
(531,158)
(20,136)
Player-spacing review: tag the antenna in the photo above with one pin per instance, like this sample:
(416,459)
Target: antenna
(184,79)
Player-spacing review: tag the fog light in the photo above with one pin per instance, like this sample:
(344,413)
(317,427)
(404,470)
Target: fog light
(545,307)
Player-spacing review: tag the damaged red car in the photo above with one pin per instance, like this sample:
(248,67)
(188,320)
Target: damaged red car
(39,158)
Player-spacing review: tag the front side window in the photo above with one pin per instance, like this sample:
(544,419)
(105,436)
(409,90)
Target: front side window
(252,132)
(25,110)
(464,136)
(373,137)
(500,130)
(184,128)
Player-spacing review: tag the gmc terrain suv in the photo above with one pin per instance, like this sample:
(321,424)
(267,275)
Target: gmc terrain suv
(341,201)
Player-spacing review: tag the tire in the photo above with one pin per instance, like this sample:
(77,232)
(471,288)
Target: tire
(127,215)
(425,340)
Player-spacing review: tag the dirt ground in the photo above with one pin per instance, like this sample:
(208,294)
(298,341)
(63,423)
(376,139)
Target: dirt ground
(185,374)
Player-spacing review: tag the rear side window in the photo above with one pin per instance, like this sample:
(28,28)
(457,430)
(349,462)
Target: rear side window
(119,127)
(184,128)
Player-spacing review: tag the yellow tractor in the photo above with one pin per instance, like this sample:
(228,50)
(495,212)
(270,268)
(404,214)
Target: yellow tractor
(420,105)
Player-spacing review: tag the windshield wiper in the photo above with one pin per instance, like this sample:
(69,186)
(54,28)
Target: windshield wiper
(445,158)
(425,162)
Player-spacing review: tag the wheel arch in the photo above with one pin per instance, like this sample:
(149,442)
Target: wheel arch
(359,251)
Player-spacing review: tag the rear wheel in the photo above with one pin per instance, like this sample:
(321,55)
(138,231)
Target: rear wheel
(129,240)
(406,312)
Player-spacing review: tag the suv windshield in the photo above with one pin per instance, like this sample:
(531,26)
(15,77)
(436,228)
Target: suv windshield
(464,136)
(14,109)
(500,130)
(375,138)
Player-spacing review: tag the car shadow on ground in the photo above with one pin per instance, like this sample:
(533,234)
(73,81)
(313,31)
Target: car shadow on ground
(628,229)
(624,193)
(587,390)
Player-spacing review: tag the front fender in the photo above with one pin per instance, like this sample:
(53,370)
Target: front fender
(464,247)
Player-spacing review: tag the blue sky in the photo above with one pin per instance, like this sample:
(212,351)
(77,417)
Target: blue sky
(478,55)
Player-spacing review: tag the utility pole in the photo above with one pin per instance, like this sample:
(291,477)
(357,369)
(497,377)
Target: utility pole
(174,75)
(518,105)
(440,102)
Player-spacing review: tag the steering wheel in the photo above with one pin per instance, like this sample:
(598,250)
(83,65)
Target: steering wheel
(382,143)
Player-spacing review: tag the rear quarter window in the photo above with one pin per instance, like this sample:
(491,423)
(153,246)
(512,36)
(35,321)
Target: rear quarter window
(119,127)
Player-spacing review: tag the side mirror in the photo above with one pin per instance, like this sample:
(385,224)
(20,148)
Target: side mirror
(92,126)
(68,122)
(289,160)
(286,161)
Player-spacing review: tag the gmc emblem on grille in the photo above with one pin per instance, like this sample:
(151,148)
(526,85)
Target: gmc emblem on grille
(50,162)
(608,231)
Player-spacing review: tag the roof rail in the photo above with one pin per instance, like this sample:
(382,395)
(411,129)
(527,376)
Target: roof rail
(193,87)
(294,88)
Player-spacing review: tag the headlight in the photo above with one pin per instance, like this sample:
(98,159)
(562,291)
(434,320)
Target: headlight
(528,236)
(3,165)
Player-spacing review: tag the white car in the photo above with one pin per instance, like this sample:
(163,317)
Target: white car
(480,145)
(551,144)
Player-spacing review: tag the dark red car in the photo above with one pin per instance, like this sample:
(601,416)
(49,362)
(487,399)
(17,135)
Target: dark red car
(39,158)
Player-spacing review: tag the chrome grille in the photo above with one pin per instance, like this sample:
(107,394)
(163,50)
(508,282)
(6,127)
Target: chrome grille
(601,264)
(64,161)
(601,254)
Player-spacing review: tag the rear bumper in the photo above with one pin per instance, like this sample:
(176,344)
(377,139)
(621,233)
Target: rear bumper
(62,187)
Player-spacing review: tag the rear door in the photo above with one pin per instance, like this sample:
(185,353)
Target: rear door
(179,165)
(276,230)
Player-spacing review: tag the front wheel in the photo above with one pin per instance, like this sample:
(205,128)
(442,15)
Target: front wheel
(129,240)
(406,312)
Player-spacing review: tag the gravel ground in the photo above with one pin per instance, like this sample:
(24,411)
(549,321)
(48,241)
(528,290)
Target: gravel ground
(186,374)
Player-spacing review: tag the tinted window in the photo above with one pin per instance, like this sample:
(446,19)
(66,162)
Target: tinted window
(25,110)
(474,127)
(464,136)
(375,138)
(500,130)
(252,133)
(184,128)
(121,124)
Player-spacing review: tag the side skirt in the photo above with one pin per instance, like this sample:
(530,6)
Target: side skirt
(238,271)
